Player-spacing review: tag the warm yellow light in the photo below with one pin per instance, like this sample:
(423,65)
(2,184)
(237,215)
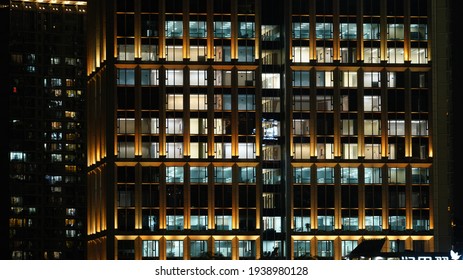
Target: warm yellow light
(66,2)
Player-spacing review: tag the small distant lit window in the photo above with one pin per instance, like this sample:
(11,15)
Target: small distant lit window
(17,210)
(54,146)
(70,211)
(70,93)
(30,58)
(17,58)
(56,92)
(17,156)
(16,200)
(18,255)
(54,60)
(70,82)
(56,125)
(71,168)
(70,61)
(71,136)
(56,136)
(56,157)
(55,103)
(70,114)
(55,82)
(53,179)
(70,222)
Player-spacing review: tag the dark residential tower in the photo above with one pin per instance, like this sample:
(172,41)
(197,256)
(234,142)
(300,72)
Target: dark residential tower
(45,75)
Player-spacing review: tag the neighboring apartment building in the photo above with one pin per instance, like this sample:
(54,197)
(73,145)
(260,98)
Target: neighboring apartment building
(266,129)
(46,117)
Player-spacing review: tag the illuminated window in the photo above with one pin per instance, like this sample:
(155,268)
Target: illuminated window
(324,30)
(125,77)
(246,249)
(325,248)
(71,211)
(198,29)
(149,77)
(223,248)
(348,246)
(150,249)
(174,249)
(222,29)
(301,30)
(325,54)
(56,125)
(371,31)
(301,248)
(198,248)
(395,31)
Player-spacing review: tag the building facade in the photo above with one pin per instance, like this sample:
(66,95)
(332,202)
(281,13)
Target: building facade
(46,81)
(266,129)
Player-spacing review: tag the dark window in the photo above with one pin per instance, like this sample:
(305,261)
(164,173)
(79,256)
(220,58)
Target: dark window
(300,7)
(174,6)
(371,7)
(395,7)
(325,195)
(125,174)
(348,7)
(324,7)
(125,250)
(349,197)
(418,7)
(373,196)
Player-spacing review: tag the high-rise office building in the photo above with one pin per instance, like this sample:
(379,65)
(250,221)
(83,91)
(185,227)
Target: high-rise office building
(259,129)
(45,84)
